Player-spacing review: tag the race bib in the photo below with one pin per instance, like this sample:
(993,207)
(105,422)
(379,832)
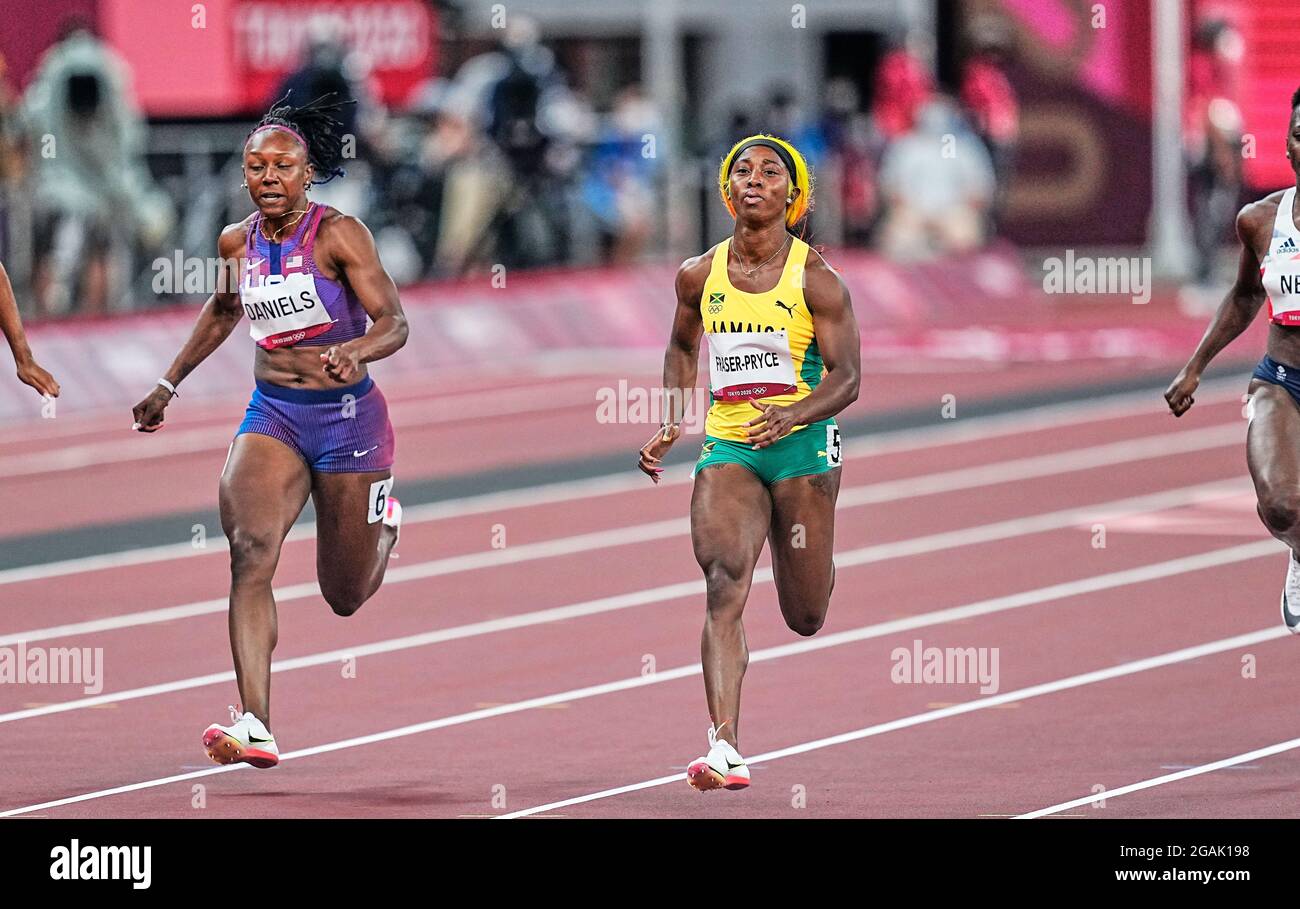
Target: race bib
(746,365)
(283,309)
(1282,282)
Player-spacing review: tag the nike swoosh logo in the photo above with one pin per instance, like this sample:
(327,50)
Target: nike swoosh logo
(361,454)
(731,766)
(254,740)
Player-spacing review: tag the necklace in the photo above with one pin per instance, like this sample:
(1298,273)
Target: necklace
(276,237)
(749,272)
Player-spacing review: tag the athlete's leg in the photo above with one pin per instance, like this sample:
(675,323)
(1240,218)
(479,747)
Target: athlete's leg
(802,541)
(1273,453)
(730,513)
(263,489)
(351,549)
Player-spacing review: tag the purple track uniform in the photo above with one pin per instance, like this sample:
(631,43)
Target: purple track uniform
(288,302)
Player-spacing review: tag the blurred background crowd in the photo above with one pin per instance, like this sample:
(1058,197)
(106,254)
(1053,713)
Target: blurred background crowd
(539,134)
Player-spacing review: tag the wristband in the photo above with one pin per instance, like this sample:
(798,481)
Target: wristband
(170,387)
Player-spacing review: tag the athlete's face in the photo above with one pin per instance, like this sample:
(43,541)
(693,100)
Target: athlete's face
(1293,143)
(760,185)
(277,172)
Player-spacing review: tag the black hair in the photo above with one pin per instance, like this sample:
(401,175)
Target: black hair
(1295,100)
(316,122)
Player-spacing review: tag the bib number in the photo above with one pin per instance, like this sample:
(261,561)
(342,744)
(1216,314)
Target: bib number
(834,453)
(378,507)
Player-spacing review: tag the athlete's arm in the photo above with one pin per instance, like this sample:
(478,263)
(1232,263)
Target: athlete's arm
(837,339)
(681,362)
(217,319)
(351,249)
(1235,313)
(29,371)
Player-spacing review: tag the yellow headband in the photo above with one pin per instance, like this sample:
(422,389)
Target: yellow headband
(802,177)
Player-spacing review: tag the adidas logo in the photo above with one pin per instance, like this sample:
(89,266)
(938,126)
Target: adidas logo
(1281,372)
(1288,245)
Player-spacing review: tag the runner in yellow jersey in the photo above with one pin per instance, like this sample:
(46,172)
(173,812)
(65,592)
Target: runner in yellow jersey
(783,361)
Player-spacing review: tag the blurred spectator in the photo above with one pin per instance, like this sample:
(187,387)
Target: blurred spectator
(854,150)
(95,199)
(329,68)
(11,155)
(903,86)
(1212,125)
(619,185)
(11,158)
(991,105)
(937,185)
(473,179)
(785,118)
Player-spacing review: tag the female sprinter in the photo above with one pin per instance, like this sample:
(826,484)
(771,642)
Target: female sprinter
(316,425)
(11,324)
(783,361)
(1268,268)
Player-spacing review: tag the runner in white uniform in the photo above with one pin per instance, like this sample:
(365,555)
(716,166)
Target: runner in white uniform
(1268,271)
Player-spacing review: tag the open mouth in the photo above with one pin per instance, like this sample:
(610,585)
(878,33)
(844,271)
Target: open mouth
(270,197)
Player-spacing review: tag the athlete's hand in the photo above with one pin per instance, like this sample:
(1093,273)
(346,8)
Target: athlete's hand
(148,413)
(342,363)
(31,373)
(652,452)
(1180,391)
(773,423)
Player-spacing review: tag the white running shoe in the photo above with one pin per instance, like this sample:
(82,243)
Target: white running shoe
(721,768)
(246,740)
(1291,596)
(393,519)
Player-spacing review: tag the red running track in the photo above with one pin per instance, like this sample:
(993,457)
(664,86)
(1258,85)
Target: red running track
(544,677)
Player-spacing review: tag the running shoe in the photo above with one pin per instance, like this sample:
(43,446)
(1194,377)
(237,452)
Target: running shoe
(393,518)
(721,768)
(246,740)
(1291,596)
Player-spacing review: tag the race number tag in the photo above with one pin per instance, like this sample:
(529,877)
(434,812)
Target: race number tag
(378,506)
(1281,280)
(747,365)
(283,309)
(834,453)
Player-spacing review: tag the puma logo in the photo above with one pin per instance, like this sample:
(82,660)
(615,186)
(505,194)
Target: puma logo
(789,309)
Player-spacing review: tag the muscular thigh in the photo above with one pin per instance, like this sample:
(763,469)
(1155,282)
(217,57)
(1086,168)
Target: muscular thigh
(1273,440)
(730,512)
(349,517)
(803,537)
(263,488)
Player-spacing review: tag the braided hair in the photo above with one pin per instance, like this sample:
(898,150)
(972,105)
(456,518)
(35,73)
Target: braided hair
(316,125)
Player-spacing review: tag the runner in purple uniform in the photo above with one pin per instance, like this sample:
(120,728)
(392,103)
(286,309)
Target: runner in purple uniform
(307,279)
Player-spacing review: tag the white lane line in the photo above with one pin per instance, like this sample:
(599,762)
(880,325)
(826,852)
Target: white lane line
(930,716)
(853,497)
(968,429)
(1047,594)
(846,560)
(1246,758)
